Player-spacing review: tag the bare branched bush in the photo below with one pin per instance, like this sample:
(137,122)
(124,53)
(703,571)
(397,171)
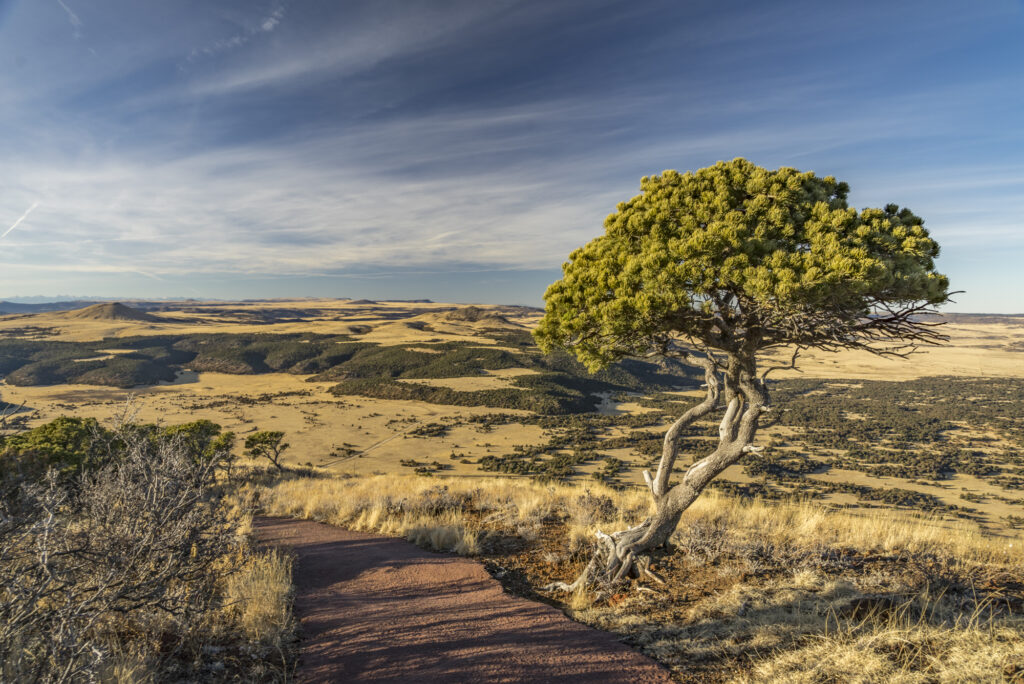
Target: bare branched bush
(703,540)
(596,508)
(132,547)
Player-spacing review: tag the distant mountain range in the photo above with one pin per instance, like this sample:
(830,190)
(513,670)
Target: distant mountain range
(40,307)
(33,307)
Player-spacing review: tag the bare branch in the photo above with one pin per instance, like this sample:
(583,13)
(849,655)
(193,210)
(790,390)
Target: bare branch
(725,428)
(790,366)
(650,482)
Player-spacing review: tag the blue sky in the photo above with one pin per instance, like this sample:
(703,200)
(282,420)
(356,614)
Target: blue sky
(460,150)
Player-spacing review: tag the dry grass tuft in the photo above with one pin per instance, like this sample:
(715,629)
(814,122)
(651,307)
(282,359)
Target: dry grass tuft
(807,525)
(258,597)
(909,645)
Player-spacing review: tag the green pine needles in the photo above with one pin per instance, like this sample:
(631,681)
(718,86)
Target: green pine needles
(736,258)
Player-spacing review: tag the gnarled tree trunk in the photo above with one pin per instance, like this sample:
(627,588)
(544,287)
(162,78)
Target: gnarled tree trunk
(624,553)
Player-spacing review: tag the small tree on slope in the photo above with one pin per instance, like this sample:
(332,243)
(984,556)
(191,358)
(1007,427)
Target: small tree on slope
(716,268)
(267,444)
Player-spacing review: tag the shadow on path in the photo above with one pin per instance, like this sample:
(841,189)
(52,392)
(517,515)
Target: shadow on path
(377,609)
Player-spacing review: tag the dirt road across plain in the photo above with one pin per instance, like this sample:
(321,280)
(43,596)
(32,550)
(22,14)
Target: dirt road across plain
(377,609)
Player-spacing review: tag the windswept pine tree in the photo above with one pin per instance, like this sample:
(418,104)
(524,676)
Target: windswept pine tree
(717,267)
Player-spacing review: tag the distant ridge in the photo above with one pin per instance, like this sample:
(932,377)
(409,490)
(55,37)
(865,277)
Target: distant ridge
(362,301)
(8,308)
(112,311)
(984,318)
(474,314)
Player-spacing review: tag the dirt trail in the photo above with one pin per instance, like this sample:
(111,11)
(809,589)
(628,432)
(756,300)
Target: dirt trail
(377,609)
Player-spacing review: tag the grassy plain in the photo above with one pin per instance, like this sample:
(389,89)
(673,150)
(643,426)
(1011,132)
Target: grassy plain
(878,538)
(980,347)
(366,434)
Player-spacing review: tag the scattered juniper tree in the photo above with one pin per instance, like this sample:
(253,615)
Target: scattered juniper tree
(203,438)
(268,445)
(717,267)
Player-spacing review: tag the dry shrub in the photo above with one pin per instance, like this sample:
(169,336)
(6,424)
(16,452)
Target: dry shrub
(139,538)
(118,574)
(702,540)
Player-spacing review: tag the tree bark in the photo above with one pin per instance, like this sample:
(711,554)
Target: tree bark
(624,553)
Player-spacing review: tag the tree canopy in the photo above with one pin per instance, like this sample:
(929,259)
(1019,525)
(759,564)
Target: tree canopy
(717,266)
(67,444)
(738,258)
(267,444)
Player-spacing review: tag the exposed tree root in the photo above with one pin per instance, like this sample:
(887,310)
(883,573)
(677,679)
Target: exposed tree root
(617,558)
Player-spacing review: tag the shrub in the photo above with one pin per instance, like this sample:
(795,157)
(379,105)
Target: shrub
(66,444)
(135,545)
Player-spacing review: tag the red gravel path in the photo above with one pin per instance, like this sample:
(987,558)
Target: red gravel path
(377,609)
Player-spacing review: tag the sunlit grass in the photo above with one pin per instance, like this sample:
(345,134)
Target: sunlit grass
(403,506)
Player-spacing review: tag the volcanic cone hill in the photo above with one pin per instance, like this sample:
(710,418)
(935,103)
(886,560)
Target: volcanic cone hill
(112,311)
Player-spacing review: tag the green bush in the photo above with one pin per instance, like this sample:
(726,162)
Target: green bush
(67,444)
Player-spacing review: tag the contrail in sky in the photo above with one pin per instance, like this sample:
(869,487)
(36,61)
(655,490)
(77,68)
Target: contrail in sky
(72,17)
(20,219)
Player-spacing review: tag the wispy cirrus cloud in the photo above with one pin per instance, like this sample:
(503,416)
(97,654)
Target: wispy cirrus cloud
(349,48)
(76,23)
(261,26)
(250,139)
(460,189)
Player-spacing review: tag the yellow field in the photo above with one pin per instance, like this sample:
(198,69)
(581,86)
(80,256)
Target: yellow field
(389,322)
(974,351)
(362,435)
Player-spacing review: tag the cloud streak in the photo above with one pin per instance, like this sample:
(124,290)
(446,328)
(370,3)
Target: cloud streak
(19,220)
(76,23)
(265,25)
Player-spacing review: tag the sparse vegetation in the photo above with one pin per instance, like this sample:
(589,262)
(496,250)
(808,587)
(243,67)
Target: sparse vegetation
(755,591)
(122,558)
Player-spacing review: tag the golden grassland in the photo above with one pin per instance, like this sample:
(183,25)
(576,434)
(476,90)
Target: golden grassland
(757,592)
(975,350)
(364,435)
(380,322)
(317,424)
(395,505)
